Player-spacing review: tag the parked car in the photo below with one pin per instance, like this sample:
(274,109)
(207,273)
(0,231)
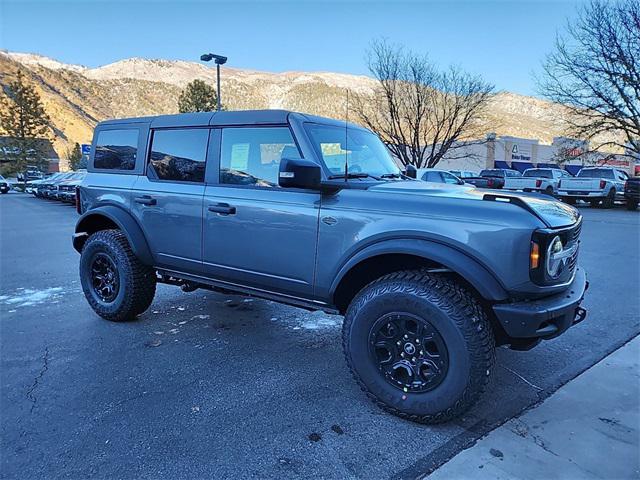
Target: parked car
(4,185)
(66,189)
(32,186)
(632,193)
(48,188)
(540,180)
(438,176)
(463,173)
(493,177)
(596,185)
(260,203)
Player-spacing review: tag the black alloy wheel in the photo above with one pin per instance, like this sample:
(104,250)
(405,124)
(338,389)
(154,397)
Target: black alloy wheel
(409,352)
(105,280)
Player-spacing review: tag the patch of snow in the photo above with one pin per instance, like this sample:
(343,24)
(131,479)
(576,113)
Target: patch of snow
(28,297)
(321,323)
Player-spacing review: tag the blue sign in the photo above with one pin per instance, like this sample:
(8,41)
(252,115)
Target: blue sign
(86,149)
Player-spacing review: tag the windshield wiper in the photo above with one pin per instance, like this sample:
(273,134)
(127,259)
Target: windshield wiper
(352,175)
(390,175)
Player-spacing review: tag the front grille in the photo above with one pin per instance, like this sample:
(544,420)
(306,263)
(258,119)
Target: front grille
(571,239)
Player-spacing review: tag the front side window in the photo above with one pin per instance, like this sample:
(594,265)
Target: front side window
(251,156)
(361,150)
(116,149)
(179,155)
(450,179)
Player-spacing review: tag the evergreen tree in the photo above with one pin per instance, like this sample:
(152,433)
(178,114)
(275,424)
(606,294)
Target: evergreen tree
(74,157)
(197,97)
(24,120)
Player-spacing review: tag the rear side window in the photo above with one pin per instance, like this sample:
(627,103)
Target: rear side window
(179,155)
(596,173)
(116,149)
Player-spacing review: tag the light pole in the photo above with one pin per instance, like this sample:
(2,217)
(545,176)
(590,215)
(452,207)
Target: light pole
(220,60)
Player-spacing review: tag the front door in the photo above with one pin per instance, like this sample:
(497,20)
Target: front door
(256,233)
(168,200)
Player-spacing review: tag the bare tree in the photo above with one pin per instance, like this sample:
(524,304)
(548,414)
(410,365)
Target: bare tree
(420,112)
(595,72)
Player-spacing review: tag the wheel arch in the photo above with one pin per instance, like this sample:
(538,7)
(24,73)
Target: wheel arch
(108,217)
(386,257)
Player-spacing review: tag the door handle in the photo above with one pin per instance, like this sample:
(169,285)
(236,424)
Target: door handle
(145,200)
(222,208)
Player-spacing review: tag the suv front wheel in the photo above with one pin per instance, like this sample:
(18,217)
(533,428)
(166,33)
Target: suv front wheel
(419,345)
(116,284)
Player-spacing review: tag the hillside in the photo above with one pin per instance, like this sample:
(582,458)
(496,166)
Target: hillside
(77,97)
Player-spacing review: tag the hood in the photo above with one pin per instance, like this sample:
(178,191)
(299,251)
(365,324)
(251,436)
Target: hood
(553,213)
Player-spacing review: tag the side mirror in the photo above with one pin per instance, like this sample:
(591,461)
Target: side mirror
(411,171)
(299,173)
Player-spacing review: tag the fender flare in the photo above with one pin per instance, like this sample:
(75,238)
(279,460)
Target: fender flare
(479,276)
(124,221)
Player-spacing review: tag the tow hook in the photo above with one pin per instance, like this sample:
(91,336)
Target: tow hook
(189,287)
(581,314)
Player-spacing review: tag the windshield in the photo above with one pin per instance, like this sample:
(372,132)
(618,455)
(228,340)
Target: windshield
(596,173)
(538,172)
(362,150)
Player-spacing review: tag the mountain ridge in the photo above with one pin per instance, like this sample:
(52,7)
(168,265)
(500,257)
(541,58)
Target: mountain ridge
(77,97)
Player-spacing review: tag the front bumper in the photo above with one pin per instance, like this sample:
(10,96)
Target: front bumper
(67,196)
(547,317)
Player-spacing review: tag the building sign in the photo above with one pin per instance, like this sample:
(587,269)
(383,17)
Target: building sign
(614,161)
(521,152)
(85,149)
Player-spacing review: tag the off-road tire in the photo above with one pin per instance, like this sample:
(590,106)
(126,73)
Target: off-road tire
(462,324)
(632,204)
(137,282)
(594,203)
(609,200)
(570,201)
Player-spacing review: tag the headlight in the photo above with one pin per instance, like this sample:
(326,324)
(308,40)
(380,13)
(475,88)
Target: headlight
(554,257)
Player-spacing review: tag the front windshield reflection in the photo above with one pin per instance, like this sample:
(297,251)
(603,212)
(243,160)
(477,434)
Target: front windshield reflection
(363,151)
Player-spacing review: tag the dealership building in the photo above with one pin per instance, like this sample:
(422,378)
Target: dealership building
(522,153)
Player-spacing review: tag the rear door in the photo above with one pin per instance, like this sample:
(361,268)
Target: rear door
(167,200)
(255,232)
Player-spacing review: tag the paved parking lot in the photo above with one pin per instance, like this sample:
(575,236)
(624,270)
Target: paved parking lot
(207,385)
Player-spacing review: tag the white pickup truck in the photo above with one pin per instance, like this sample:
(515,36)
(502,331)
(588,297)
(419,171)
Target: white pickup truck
(541,180)
(595,185)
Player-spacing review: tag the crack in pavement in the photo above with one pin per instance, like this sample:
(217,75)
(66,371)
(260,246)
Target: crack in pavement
(532,385)
(31,392)
(523,430)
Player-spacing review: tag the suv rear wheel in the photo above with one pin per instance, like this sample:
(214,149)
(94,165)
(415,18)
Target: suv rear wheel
(116,284)
(419,345)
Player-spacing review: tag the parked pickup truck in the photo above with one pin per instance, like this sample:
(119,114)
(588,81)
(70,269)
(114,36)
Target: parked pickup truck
(259,203)
(541,180)
(632,192)
(596,185)
(493,178)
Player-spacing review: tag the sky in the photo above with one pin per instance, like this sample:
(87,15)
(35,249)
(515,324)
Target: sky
(504,41)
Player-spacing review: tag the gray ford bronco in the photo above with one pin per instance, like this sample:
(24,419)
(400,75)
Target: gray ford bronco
(314,212)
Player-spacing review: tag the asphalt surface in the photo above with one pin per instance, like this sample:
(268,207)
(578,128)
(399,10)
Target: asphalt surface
(206,385)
